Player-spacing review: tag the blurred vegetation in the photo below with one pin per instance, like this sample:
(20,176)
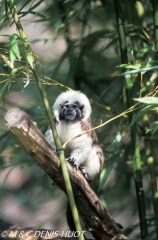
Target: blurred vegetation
(109,50)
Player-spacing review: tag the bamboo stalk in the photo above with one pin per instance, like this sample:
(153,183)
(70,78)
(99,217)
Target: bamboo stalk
(134,134)
(150,159)
(155,15)
(59,148)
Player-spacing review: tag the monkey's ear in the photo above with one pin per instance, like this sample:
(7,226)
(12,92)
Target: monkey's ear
(81,107)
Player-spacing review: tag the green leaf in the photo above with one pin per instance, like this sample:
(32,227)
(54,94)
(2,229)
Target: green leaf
(14,70)
(142,70)
(22,5)
(66,1)
(4,88)
(148,100)
(139,114)
(154,128)
(5,140)
(103,201)
(30,58)
(142,112)
(106,171)
(128,66)
(14,49)
(38,14)
(36,5)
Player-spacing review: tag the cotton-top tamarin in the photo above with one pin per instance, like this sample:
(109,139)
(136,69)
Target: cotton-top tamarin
(72,112)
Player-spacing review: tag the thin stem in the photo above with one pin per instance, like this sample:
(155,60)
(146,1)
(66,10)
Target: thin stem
(155,15)
(150,159)
(130,5)
(151,168)
(134,134)
(60,151)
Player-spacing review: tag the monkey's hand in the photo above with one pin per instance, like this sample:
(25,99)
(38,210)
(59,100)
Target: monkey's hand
(83,169)
(84,172)
(73,161)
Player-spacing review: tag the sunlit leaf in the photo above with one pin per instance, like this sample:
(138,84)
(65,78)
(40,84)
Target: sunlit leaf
(142,70)
(14,70)
(148,100)
(14,49)
(30,58)
(128,66)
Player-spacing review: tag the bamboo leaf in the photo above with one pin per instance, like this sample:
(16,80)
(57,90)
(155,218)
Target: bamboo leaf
(5,140)
(154,128)
(128,66)
(38,14)
(143,70)
(30,58)
(106,171)
(12,56)
(142,112)
(137,116)
(14,49)
(147,100)
(36,5)
(4,88)
(22,6)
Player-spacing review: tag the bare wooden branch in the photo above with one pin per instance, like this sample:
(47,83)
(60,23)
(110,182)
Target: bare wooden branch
(96,218)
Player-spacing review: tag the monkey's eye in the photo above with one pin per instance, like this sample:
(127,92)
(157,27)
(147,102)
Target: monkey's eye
(66,106)
(74,106)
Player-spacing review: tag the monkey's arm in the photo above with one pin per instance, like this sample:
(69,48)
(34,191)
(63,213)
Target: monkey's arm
(50,138)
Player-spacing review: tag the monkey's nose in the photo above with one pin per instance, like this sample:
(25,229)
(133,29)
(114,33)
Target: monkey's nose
(69,111)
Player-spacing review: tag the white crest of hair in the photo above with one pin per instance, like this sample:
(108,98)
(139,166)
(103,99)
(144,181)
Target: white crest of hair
(72,96)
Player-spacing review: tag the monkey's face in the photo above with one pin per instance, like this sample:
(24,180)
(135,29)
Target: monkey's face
(71,111)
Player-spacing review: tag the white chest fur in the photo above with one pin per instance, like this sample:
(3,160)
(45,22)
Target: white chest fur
(67,131)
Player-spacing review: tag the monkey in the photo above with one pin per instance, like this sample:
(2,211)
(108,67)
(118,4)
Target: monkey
(72,112)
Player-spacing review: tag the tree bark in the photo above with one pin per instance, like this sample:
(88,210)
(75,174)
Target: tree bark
(96,218)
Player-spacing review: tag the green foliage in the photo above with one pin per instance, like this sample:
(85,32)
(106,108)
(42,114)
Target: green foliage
(148,100)
(14,49)
(76,43)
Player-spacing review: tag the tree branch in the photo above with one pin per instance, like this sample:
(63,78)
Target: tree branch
(96,218)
